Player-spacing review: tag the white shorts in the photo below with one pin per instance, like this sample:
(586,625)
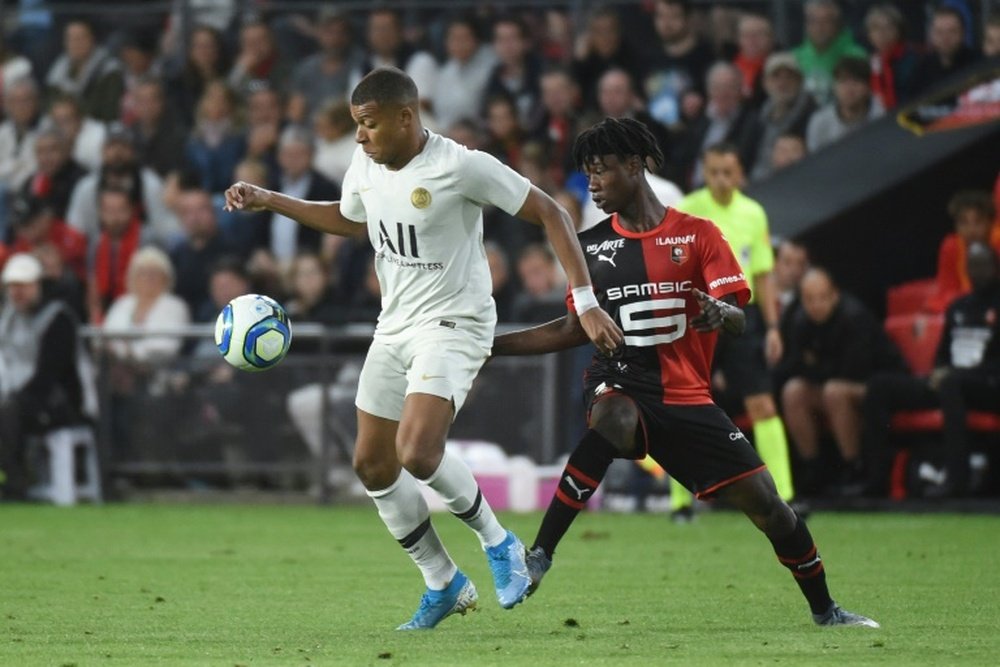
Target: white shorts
(438,362)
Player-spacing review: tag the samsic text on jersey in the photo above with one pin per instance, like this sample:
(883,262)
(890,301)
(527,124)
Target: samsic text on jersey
(644,281)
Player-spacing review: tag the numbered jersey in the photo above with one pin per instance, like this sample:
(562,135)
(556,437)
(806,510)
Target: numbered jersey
(426,224)
(645,282)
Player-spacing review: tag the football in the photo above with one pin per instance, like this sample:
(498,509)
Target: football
(253,332)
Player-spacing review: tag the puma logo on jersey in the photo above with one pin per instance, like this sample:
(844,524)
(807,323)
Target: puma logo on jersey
(579,492)
(610,259)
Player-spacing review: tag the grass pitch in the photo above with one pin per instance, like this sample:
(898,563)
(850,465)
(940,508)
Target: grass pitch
(279,585)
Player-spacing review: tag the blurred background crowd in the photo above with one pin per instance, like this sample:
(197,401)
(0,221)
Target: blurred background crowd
(121,130)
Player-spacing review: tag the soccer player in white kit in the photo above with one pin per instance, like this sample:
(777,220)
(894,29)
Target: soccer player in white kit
(419,197)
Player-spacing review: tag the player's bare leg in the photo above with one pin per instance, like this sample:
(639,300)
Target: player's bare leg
(614,421)
(404,512)
(758,498)
(420,448)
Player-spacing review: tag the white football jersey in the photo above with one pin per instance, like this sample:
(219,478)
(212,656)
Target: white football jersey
(426,224)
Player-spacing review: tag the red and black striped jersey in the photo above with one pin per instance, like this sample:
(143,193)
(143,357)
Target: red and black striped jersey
(644,281)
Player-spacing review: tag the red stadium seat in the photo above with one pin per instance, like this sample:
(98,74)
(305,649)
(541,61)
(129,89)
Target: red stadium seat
(909,298)
(917,338)
(933,420)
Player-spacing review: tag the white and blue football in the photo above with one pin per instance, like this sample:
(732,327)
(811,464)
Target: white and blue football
(253,332)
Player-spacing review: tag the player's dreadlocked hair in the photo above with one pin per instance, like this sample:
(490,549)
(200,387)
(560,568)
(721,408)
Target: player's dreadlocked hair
(623,137)
(385,85)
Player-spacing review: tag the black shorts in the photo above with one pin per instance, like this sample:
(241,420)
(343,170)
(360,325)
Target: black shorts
(698,445)
(741,358)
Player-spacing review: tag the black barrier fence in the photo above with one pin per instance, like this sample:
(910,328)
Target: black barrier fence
(188,419)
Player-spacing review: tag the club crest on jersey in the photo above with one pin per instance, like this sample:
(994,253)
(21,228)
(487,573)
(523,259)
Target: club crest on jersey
(679,254)
(420,198)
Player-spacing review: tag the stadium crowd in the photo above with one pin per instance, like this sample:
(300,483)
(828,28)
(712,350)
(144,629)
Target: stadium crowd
(116,145)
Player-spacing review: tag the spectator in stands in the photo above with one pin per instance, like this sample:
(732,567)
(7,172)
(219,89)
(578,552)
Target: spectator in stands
(503,287)
(386,47)
(147,304)
(34,224)
(85,135)
(543,295)
(283,236)
(17,132)
(139,63)
(756,43)
(557,37)
(616,98)
(991,37)
(216,145)
(517,74)
(258,63)
(87,71)
(835,345)
(334,128)
(466,132)
(201,248)
(973,213)
(57,172)
(853,106)
(265,120)
(827,42)
(726,119)
(557,126)
(461,82)
(205,61)
(13,68)
(40,385)
(679,65)
(949,52)
(322,79)
(893,61)
(121,235)
(60,281)
(227,281)
(157,135)
(789,148)
(966,377)
(121,170)
(791,261)
(311,298)
(787,109)
(265,274)
(600,49)
(506,134)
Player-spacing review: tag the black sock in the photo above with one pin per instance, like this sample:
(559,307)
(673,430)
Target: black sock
(798,553)
(580,478)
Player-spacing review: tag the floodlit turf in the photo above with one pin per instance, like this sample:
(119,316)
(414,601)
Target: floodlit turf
(279,585)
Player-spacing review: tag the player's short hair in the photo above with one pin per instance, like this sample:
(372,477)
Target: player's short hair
(976,200)
(722,148)
(853,67)
(386,85)
(623,137)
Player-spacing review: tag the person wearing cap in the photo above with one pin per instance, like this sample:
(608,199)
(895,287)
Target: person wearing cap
(787,109)
(40,381)
(120,170)
(853,105)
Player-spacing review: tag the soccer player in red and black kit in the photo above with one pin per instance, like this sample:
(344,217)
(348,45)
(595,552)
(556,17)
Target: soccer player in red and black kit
(671,282)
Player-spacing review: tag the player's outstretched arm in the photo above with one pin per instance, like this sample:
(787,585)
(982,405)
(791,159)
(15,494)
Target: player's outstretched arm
(541,209)
(323,216)
(553,336)
(718,314)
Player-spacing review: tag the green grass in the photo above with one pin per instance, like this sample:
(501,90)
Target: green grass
(249,585)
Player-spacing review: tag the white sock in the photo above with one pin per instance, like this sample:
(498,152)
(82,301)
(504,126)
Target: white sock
(454,482)
(404,512)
